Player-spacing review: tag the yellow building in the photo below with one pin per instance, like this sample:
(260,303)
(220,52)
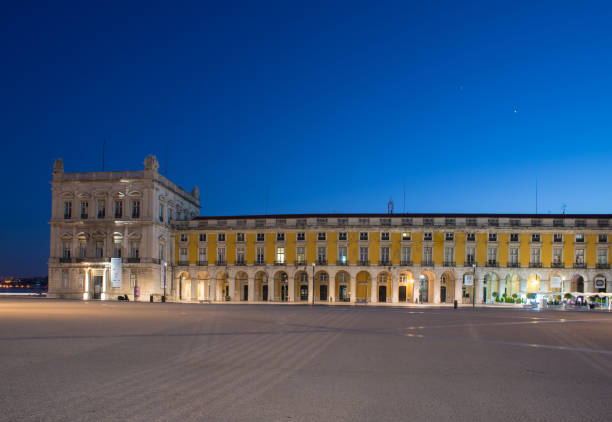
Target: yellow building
(390,258)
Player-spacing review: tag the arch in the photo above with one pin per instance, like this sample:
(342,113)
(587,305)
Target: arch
(490,284)
(343,286)
(426,283)
(281,285)
(184,286)
(577,284)
(221,286)
(447,287)
(363,279)
(383,286)
(534,280)
(261,285)
(203,285)
(322,285)
(242,285)
(405,283)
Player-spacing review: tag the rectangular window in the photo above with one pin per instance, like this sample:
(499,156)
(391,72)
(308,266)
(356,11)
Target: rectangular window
(134,249)
(342,255)
(514,237)
(515,222)
(471,222)
(580,256)
(183,255)
(449,221)
(67,209)
(384,236)
(470,255)
(364,221)
(492,237)
(322,255)
(363,235)
(259,255)
(558,238)
(240,255)
(321,236)
(580,238)
(136,208)
(535,256)
(492,256)
(603,238)
(557,257)
(169,214)
(301,236)
(239,237)
(493,222)
(161,213)
(535,237)
(427,255)
(101,208)
(427,236)
(449,236)
(406,255)
(384,255)
(260,237)
(300,255)
(84,210)
(202,237)
(220,237)
(280,237)
(471,237)
(580,223)
(449,256)
(342,236)
(602,256)
(82,248)
(66,249)
(183,237)
(406,236)
(428,221)
(557,223)
(280,255)
(513,256)
(99,252)
(343,221)
(220,256)
(202,255)
(364,256)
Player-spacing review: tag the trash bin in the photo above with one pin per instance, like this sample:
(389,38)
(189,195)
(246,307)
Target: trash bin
(455,304)
(151,298)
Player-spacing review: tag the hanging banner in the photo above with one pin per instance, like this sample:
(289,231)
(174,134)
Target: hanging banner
(600,283)
(468,279)
(163,274)
(555,282)
(116,272)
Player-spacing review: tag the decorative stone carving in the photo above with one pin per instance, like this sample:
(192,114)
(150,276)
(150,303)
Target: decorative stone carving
(195,192)
(58,166)
(151,163)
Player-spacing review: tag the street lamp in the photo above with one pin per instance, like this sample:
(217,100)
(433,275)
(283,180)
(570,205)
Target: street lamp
(165,278)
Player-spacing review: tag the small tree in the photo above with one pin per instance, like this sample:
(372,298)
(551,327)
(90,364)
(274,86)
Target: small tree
(568,296)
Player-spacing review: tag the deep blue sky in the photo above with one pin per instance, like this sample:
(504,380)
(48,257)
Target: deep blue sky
(329,108)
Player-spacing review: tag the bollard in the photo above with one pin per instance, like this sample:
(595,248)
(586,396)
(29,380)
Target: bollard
(151,298)
(455,304)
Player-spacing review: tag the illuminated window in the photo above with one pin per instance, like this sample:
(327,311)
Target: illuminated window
(342,255)
(280,255)
(406,236)
(300,255)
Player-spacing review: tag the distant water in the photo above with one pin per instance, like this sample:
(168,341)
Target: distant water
(15,291)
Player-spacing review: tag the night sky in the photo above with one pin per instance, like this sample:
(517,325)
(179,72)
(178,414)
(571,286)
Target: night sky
(319,107)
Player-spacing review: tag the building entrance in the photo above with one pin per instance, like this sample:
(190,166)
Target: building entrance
(284,292)
(303,292)
(343,294)
(382,293)
(97,287)
(323,292)
(245,294)
(402,293)
(442,294)
(264,293)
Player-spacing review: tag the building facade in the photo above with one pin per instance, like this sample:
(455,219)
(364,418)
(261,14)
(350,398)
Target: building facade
(114,221)
(318,258)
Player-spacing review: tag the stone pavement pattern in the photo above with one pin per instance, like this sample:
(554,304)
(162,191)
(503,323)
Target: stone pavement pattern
(93,361)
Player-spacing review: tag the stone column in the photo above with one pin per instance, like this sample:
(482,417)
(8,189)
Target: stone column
(394,288)
(311,288)
(415,290)
(459,290)
(331,292)
(103,296)
(374,290)
(291,288)
(435,295)
(353,291)
(479,290)
(232,289)
(271,287)
(195,286)
(251,289)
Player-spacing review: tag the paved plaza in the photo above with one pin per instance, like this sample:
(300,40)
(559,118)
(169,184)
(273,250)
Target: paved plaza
(72,360)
